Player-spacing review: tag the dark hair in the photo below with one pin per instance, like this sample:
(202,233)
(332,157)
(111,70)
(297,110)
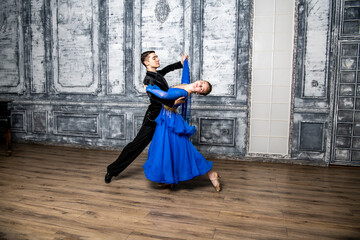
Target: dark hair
(145,55)
(210,89)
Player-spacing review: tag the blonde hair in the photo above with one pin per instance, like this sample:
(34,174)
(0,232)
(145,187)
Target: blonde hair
(210,89)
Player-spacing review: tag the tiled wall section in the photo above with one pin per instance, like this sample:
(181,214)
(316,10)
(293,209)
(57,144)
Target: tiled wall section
(271,76)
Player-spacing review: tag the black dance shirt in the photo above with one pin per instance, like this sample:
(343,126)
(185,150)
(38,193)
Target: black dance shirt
(157,78)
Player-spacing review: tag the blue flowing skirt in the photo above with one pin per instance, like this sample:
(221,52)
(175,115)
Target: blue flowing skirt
(172,157)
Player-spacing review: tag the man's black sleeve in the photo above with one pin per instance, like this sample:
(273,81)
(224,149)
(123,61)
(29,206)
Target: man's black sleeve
(170,68)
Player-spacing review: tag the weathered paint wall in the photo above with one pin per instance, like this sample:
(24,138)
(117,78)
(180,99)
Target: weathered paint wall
(312,99)
(11,45)
(73,71)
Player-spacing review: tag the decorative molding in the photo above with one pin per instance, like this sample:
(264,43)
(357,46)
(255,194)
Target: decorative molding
(38,58)
(162,10)
(219,29)
(75,53)
(217,131)
(194,106)
(68,103)
(39,122)
(174,40)
(12,48)
(314,18)
(117,129)
(311,110)
(18,121)
(75,124)
(137,123)
(220,108)
(311,136)
(116,48)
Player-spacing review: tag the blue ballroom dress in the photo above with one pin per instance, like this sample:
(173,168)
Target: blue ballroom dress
(172,157)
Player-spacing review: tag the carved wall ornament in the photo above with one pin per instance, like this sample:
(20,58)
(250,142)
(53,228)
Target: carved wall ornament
(162,10)
(3,23)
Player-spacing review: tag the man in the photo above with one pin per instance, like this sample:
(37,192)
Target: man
(151,61)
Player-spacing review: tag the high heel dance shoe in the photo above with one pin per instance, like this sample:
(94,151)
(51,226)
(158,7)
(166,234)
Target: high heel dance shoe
(215,181)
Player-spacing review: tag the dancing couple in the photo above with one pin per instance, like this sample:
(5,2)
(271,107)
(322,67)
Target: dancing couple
(172,158)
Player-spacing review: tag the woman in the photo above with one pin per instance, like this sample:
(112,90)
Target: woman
(172,157)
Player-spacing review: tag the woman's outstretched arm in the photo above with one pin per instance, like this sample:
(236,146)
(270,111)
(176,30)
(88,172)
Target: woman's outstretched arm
(172,94)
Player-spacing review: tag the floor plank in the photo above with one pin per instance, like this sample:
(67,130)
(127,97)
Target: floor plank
(52,192)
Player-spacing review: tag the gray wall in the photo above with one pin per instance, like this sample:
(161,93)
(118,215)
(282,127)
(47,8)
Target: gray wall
(73,72)
(312,110)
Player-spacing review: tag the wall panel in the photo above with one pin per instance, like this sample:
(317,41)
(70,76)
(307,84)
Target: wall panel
(315,66)
(312,100)
(75,47)
(19,121)
(219,46)
(11,48)
(160,26)
(39,122)
(217,131)
(117,126)
(116,48)
(38,50)
(311,136)
(75,124)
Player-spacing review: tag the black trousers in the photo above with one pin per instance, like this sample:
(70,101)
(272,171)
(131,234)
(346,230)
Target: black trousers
(132,150)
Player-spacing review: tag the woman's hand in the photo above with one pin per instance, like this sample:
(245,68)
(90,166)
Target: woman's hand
(179,101)
(183,57)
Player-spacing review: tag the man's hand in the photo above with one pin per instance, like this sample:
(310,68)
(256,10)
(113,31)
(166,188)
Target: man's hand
(183,57)
(179,101)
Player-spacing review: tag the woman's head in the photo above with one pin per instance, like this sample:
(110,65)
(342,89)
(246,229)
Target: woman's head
(202,87)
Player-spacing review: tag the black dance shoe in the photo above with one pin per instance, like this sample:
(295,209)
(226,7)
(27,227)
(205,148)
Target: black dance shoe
(108,177)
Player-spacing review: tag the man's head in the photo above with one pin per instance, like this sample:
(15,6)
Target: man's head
(150,60)
(202,87)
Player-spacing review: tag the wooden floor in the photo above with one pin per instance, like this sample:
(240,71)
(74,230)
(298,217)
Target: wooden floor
(49,192)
